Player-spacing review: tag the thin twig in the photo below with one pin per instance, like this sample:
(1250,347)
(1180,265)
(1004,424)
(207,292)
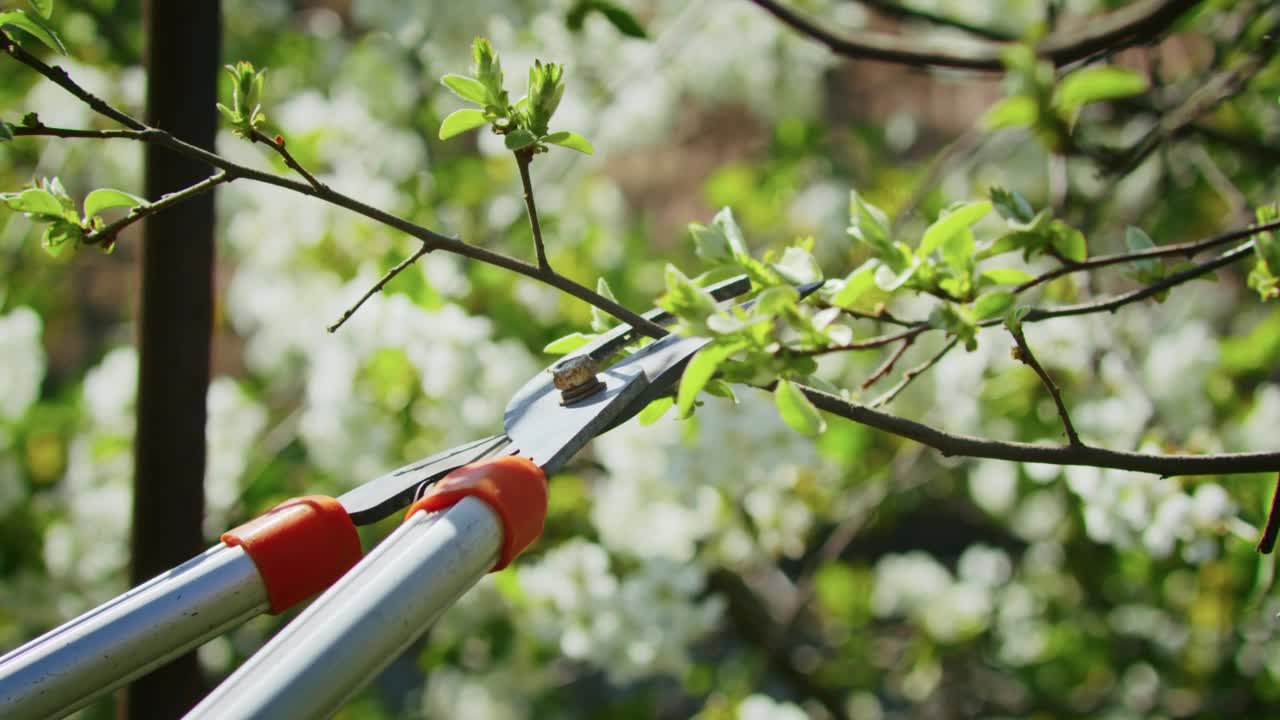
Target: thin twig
(911,374)
(1024,354)
(868,344)
(431,239)
(107,233)
(887,366)
(382,282)
(277,144)
(899,11)
(1127,26)
(1268,541)
(523,158)
(951,444)
(1187,249)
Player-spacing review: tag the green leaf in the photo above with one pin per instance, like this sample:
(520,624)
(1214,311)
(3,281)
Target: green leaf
(1138,241)
(600,320)
(624,21)
(720,388)
(856,284)
(1011,205)
(232,116)
(22,21)
(466,88)
(1005,276)
(709,243)
(571,140)
(699,371)
(1016,111)
(684,299)
(568,343)
(35,202)
(1068,241)
(950,225)
(460,121)
(776,300)
(655,410)
(104,198)
(1013,318)
(61,235)
(728,226)
(5,132)
(797,411)
(519,139)
(1097,84)
(44,7)
(989,305)
(869,224)
(798,266)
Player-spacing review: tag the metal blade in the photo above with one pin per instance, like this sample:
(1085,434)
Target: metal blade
(392,492)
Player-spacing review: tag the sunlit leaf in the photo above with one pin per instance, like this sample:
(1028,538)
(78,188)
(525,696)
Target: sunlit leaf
(466,88)
(460,121)
(1068,241)
(796,410)
(568,343)
(35,202)
(856,284)
(655,410)
(947,226)
(104,198)
(519,139)
(1016,111)
(991,304)
(1097,84)
(1006,276)
(22,21)
(699,371)
(571,140)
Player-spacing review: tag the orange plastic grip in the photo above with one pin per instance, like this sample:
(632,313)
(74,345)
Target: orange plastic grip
(300,547)
(513,486)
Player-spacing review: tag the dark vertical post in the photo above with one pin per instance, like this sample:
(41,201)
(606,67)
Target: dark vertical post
(176,318)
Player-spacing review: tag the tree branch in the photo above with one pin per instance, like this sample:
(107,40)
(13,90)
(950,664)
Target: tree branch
(887,366)
(911,374)
(382,282)
(277,144)
(1268,541)
(523,158)
(431,240)
(902,12)
(1187,249)
(1133,24)
(969,446)
(106,234)
(1024,354)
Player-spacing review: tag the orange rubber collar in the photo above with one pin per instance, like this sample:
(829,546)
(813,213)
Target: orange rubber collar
(300,547)
(513,486)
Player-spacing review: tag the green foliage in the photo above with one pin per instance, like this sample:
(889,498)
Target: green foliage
(245,114)
(797,411)
(618,16)
(34,25)
(1048,108)
(48,202)
(524,124)
(1265,275)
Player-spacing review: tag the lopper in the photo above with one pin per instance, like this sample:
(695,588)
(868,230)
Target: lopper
(472,509)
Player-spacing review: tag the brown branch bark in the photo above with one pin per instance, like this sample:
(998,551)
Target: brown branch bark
(1023,353)
(1131,25)
(951,444)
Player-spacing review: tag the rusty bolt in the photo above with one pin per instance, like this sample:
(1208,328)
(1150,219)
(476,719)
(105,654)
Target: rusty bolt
(576,379)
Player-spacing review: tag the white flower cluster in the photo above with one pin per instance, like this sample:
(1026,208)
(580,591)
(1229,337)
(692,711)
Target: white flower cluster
(949,608)
(637,624)
(668,490)
(1127,509)
(20,330)
(763,707)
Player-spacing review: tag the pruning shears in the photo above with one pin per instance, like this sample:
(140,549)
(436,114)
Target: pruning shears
(472,509)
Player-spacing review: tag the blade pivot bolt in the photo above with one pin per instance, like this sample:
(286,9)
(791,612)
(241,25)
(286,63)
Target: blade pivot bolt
(576,379)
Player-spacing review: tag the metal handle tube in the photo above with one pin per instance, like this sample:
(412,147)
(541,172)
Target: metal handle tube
(358,626)
(130,635)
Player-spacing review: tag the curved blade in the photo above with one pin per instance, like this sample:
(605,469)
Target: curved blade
(389,493)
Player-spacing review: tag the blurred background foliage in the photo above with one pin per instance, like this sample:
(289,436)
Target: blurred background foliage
(724,566)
